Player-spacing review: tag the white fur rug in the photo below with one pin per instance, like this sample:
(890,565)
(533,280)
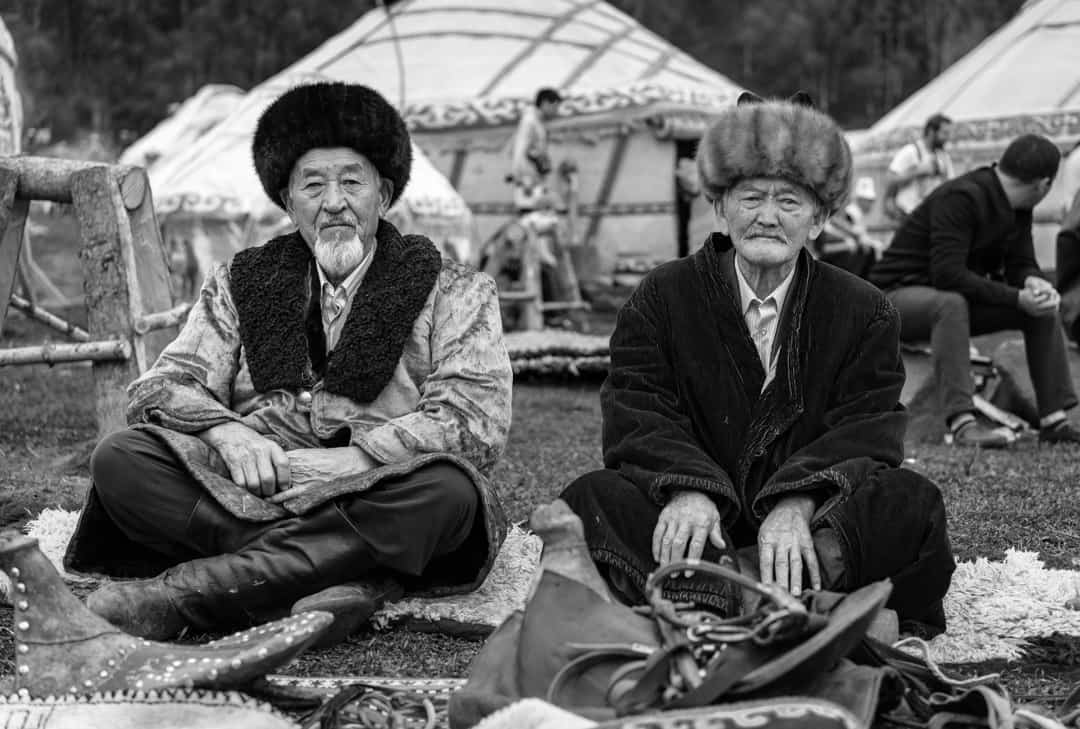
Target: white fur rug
(991,608)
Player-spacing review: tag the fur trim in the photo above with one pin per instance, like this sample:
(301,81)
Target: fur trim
(271,285)
(777,139)
(330,115)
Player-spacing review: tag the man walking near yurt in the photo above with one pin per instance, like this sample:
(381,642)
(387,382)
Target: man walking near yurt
(318,437)
(530,161)
(918,168)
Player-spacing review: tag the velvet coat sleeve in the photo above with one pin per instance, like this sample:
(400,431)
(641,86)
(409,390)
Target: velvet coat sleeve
(862,428)
(465,401)
(647,435)
(189,388)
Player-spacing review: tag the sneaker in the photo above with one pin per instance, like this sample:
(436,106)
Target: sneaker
(1062,432)
(974,434)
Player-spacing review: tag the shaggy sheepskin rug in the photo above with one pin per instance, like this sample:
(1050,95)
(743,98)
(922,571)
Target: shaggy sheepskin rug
(994,609)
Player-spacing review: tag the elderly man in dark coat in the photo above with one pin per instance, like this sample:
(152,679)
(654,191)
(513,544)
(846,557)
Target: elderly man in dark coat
(320,433)
(752,403)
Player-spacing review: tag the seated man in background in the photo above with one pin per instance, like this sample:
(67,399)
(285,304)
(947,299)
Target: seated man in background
(752,401)
(846,242)
(318,435)
(963,264)
(1067,266)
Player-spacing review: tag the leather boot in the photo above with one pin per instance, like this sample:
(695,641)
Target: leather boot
(352,604)
(289,560)
(565,551)
(63,649)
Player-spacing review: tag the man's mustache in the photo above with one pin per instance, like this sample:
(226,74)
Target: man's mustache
(757,233)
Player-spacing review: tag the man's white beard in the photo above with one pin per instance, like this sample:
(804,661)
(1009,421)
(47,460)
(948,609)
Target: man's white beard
(338,256)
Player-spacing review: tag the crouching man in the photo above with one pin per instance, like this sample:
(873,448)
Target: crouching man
(752,403)
(319,434)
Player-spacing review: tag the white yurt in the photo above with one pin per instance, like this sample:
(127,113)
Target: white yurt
(193,118)
(462,72)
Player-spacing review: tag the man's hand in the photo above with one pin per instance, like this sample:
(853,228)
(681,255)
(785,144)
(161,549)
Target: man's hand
(312,467)
(254,461)
(1038,297)
(688,519)
(785,546)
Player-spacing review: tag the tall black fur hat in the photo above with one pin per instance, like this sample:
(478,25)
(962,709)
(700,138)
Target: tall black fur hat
(785,139)
(330,115)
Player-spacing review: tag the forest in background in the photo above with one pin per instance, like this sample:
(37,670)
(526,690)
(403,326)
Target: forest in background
(115,67)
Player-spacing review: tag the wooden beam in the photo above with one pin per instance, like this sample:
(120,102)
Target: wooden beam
(163,319)
(49,319)
(13,214)
(50,354)
(49,178)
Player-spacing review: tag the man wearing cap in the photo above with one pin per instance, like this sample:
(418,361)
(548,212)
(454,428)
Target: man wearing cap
(320,433)
(752,401)
(963,264)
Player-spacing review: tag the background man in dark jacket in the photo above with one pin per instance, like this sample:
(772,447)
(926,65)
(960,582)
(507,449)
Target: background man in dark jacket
(963,264)
(752,401)
(1067,266)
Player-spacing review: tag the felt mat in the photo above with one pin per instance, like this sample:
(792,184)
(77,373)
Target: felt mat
(558,352)
(1005,609)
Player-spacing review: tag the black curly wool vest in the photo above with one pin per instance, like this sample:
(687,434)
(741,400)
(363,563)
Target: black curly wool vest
(278,303)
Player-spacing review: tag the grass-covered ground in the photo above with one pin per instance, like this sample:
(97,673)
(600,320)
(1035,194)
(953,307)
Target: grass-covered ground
(1026,498)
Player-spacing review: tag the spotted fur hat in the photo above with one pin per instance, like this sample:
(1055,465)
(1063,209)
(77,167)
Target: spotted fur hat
(330,115)
(774,138)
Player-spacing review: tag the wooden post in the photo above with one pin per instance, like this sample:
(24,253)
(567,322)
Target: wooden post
(532,316)
(13,214)
(149,275)
(115,264)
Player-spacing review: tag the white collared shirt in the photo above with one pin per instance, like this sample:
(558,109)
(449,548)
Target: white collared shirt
(337,301)
(762,319)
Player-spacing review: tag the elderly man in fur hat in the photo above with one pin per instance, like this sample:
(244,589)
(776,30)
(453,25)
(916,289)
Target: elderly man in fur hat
(319,434)
(752,402)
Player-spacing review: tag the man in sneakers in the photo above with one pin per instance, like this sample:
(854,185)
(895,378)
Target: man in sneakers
(963,264)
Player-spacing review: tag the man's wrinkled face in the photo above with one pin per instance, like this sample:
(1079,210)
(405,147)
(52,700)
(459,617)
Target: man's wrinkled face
(336,197)
(769,220)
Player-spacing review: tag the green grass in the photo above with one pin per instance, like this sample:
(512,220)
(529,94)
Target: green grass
(1027,498)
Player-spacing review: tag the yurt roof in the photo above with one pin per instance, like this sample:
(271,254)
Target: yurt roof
(193,118)
(426,50)
(463,64)
(217,176)
(1025,77)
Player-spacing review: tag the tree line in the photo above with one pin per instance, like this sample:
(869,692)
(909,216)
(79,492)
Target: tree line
(116,66)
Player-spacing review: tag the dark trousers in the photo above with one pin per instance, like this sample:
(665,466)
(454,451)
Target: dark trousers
(949,321)
(892,527)
(401,525)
